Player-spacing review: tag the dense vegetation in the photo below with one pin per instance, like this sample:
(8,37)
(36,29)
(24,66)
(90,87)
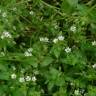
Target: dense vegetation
(47,47)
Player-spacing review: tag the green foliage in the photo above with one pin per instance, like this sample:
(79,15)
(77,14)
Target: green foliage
(48,48)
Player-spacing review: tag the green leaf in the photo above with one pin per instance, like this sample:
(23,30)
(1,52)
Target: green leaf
(34,93)
(72,2)
(56,50)
(3,89)
(47,60)
(92,91)
(3,66)
(32,61)
(4,75)
(83,9)
(61,92)
(50,85)
(68,6)
(75,58)
(19,92)
(53,78)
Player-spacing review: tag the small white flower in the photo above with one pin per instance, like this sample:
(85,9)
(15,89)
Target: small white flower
(67,50)
(76,92)
(41,39)
(2,37)
(31,13)
(28,78)
(27,54)
(13,76)
(6,34)
(55,40)
(73,28)
(94,66)
(44,39)
(30,50)
(71,83)
(93,43)
(21,79)
(4,14)
(61,38)
(34,79)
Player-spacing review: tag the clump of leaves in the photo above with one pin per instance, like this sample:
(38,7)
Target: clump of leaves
(47,48)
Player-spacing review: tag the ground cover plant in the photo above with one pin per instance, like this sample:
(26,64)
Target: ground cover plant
(47,47)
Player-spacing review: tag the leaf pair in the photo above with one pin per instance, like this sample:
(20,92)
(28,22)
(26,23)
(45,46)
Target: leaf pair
(68,6)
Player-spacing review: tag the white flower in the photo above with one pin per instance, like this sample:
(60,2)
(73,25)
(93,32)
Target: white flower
(31,13)
(41,39)
(6,34)
(94,66)
(28,78)
(27,54)
(34,79)
(93,43)
(13,76)
(21,79)
(76,92)
(61,38)
(55,40)
(67,50)
(44,39)
(4,14)
(72,83)
(30,50)
(2,36)
(73,28)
